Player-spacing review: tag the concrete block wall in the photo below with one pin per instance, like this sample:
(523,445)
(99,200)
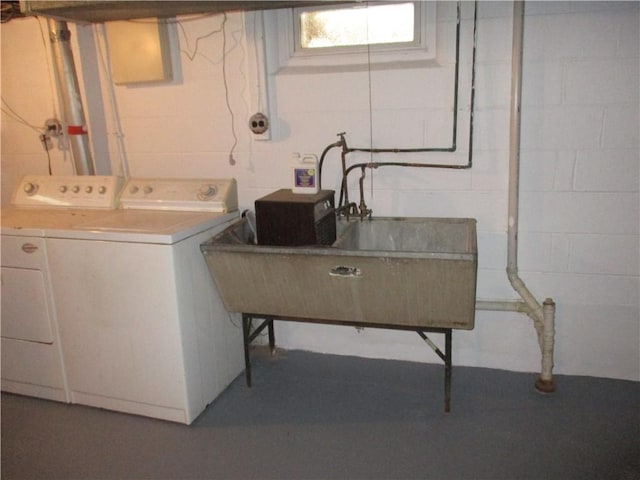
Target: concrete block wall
(580,174)
(579,162)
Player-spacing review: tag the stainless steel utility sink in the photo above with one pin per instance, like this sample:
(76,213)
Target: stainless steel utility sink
(445,237)
(413,272)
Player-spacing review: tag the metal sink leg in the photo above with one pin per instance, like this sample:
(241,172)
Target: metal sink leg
(249,336)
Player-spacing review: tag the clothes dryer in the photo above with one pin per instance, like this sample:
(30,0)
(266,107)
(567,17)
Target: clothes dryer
(32,357)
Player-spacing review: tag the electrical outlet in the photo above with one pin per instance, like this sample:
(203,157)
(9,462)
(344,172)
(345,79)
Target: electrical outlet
(52,128)
(258,123)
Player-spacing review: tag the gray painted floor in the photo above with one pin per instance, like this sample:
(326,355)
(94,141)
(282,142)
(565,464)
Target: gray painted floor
(324,416)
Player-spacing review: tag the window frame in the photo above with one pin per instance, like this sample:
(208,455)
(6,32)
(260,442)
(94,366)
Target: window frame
(292,57)
(297,30)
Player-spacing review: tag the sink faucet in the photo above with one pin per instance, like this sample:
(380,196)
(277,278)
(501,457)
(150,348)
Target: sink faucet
(364,210)
(349,209)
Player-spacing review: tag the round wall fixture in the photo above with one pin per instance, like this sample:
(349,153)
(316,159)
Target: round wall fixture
(258,123)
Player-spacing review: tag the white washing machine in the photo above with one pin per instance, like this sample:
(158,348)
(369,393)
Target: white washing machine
(141,329)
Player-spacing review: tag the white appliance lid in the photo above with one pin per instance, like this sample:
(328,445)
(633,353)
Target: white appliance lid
(146,226)
(35,221)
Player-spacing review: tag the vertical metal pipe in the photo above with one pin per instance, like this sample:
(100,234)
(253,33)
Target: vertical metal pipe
(246,333)
(67,78)
(448,369)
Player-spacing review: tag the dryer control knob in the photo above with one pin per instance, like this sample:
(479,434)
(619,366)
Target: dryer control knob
(207,191)
(102,190)
(148,189)
(30,188)
(88,189)
(63,188)
(133,189)
(75,189)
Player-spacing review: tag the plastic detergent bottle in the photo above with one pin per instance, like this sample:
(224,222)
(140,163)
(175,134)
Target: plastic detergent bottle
(304,172)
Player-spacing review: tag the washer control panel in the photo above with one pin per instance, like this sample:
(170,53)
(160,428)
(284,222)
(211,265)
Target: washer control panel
(207,195)
(77,191)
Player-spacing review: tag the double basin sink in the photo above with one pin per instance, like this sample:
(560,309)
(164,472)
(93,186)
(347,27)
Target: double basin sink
(405,272)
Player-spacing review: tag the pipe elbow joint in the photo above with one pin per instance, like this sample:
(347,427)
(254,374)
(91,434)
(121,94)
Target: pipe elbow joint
(514,279)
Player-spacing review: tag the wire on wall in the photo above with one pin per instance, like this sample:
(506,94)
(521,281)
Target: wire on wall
(370,108)
(45,45)
(191,55)
(232,161)
(45,133)
(258,76)
(17,117)
(42,134)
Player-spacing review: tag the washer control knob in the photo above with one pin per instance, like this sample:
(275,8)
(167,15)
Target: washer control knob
(133,189)
(148,189)
(63,188)
(207,191)
(102,190)
(30,188)
(75,189)
(88,189)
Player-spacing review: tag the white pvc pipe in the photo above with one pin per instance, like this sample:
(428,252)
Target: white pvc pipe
(545,382)
(543,319)
(502,306)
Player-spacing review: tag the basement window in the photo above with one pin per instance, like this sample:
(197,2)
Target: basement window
(356,26)
(354,35)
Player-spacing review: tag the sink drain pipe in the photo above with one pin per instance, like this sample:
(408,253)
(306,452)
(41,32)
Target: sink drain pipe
(543,316)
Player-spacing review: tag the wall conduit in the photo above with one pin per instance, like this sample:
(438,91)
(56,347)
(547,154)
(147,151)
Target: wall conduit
(447,149)
(67,79)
